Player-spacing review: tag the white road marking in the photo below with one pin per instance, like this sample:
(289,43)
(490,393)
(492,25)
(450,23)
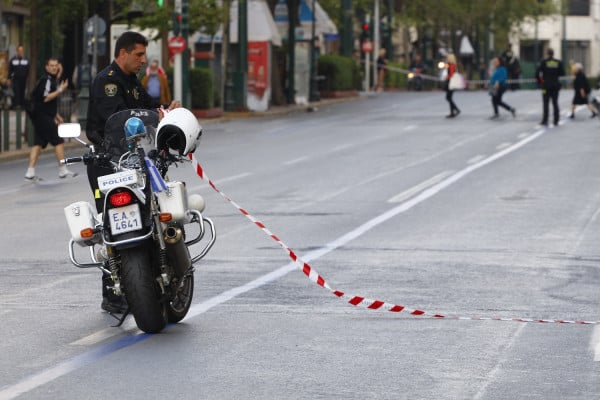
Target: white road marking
(595,343)
(220,181)
(476,159)
(407,194)
(295,161)
(503,145)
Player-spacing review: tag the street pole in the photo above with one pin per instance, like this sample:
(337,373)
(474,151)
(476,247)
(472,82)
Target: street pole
(313,94)
(185,56)
(177,61)
(347,45)
(291,93)
(367,61)
(376,23)
(241,76)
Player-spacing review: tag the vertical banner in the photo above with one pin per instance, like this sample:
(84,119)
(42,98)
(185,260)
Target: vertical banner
(259,87)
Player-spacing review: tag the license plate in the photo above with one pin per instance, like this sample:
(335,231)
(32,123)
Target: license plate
(125,219)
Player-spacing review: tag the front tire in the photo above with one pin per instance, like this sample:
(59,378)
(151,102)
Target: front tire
(142,290)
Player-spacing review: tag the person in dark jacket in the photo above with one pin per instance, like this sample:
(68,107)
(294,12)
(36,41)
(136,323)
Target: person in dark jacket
(46,119)
(548,74)
(114,89)
(18,69)
(582,89)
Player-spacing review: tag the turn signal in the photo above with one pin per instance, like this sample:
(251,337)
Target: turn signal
(120,199)
(87,233)
(165,217)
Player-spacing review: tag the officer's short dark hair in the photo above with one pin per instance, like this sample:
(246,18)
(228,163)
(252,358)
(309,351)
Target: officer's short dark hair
(550,52)
(128,40)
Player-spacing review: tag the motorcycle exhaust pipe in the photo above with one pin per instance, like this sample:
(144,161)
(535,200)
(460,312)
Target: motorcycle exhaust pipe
(177,252)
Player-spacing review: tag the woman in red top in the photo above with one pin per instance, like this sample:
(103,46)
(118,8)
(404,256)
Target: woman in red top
(451,68)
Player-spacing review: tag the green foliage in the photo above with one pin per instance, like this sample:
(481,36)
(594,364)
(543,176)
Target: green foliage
(339,73)
(205,14)
(201,87)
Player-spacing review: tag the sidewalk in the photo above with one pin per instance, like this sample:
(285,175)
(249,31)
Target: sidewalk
(16,154)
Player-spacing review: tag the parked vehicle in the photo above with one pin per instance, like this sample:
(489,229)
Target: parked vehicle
(141,236)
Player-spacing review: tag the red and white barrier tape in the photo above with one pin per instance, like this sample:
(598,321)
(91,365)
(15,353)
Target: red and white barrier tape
(360,301)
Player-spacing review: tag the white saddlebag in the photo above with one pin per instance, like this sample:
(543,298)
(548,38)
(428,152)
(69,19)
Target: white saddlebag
(80,215)
(174,200)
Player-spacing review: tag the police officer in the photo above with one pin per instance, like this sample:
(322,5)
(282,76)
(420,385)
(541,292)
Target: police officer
(114,89)
(548,73)
(18,69)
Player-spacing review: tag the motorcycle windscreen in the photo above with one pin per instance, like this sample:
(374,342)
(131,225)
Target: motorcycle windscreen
(114,129)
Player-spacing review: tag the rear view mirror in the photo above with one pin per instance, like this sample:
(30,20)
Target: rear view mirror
(69,130)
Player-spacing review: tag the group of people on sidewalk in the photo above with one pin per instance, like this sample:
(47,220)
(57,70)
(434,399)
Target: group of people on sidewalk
(548,74)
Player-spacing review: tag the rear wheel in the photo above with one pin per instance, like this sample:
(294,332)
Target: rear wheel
(142,290)
(182,299)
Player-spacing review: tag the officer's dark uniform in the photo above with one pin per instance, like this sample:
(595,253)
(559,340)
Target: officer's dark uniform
(548,73)
(18,69)
(112,91)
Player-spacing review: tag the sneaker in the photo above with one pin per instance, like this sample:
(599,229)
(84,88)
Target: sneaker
(572,116)
(495,116)
(67,174)
(33,178)
(593,115)
(116,305)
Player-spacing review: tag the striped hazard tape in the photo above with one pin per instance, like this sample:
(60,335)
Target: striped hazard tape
(360,301)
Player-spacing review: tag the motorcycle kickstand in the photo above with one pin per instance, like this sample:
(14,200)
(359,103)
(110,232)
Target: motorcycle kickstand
(121,319)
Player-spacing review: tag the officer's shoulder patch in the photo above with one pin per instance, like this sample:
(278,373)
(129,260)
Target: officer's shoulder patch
(111,72)
(110,89)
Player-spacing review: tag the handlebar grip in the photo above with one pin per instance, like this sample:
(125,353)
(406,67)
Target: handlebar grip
(72,160)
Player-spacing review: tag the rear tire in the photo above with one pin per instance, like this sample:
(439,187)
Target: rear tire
(142,290)
(182,300)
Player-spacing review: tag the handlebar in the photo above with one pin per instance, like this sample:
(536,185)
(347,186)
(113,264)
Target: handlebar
(71,160)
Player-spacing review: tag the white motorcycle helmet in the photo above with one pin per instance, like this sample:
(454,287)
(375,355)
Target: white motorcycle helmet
(178,130)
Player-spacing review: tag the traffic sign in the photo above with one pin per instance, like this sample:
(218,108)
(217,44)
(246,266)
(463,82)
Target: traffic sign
(367,46)
(176,45)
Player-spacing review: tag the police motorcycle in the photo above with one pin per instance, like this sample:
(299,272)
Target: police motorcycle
(141,237)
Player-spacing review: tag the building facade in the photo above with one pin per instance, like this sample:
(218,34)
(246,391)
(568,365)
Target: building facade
(574,37)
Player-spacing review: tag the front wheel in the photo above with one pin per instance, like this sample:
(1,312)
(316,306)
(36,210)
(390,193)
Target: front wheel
(142,291)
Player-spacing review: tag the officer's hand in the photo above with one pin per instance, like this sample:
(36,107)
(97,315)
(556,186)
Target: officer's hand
(174,104)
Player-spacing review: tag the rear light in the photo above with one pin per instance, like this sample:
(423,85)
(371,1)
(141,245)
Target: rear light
(120,199)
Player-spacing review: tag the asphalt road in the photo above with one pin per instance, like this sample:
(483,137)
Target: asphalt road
(386,199)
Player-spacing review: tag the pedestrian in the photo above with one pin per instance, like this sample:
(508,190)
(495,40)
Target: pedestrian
(156,84)
(548,74)
(18,69)
(381,67)
(450,70)
(497,87)
(44,99)
(582,89)
(114,89)
(513,67)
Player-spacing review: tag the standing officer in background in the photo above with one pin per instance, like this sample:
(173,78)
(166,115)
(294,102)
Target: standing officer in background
(548,74)
(114,89)
(18,69)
